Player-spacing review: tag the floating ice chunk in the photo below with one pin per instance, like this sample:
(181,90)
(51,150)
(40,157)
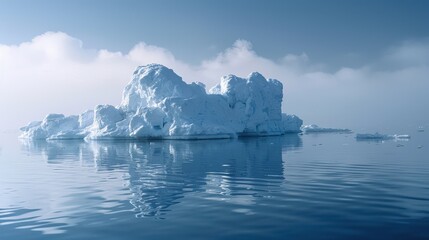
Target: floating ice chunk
(373,136)
(401,136)
(378,136)
(313,128)
(157,103)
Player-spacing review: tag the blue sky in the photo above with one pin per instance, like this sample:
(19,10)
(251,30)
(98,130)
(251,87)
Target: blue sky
(334,32)
(351,64)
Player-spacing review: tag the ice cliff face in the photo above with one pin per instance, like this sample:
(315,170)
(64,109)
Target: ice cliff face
(157,103)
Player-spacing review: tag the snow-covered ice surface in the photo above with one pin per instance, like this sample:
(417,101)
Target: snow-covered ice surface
(379,136)
(313,128)
(157,103)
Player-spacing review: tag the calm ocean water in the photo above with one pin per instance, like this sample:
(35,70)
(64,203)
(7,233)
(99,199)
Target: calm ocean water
(323,186)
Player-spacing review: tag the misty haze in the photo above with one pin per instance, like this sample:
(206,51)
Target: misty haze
(214,119)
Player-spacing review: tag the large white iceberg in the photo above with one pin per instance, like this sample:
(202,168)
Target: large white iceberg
(157,103)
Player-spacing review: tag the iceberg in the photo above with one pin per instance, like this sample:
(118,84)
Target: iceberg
(313,128)
(158,104)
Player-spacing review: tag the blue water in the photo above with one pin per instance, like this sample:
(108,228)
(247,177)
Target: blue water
(323,186)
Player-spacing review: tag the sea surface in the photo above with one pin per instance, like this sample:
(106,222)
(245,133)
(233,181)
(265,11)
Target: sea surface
(307,186)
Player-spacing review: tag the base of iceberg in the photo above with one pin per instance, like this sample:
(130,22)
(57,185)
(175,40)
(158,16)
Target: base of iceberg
(313,128)
(158,104)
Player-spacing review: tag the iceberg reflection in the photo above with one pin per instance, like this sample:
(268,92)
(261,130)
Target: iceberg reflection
(152,176)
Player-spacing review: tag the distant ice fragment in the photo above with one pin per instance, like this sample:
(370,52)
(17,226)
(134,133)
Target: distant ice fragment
(401,136)
(313,128)
(157,103)
(375,136)
(378,136)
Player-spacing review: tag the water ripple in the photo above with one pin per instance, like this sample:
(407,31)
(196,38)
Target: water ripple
(268,187)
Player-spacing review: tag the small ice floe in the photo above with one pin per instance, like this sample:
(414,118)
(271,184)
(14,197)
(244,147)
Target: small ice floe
(420,129)
(313,128)
(402,136)
(419,146)
(373,136)
(381,137)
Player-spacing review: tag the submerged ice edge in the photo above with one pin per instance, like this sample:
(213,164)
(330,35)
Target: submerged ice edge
(157,103)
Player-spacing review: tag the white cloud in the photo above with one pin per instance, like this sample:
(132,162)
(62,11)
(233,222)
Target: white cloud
(409,54)
(55,73)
